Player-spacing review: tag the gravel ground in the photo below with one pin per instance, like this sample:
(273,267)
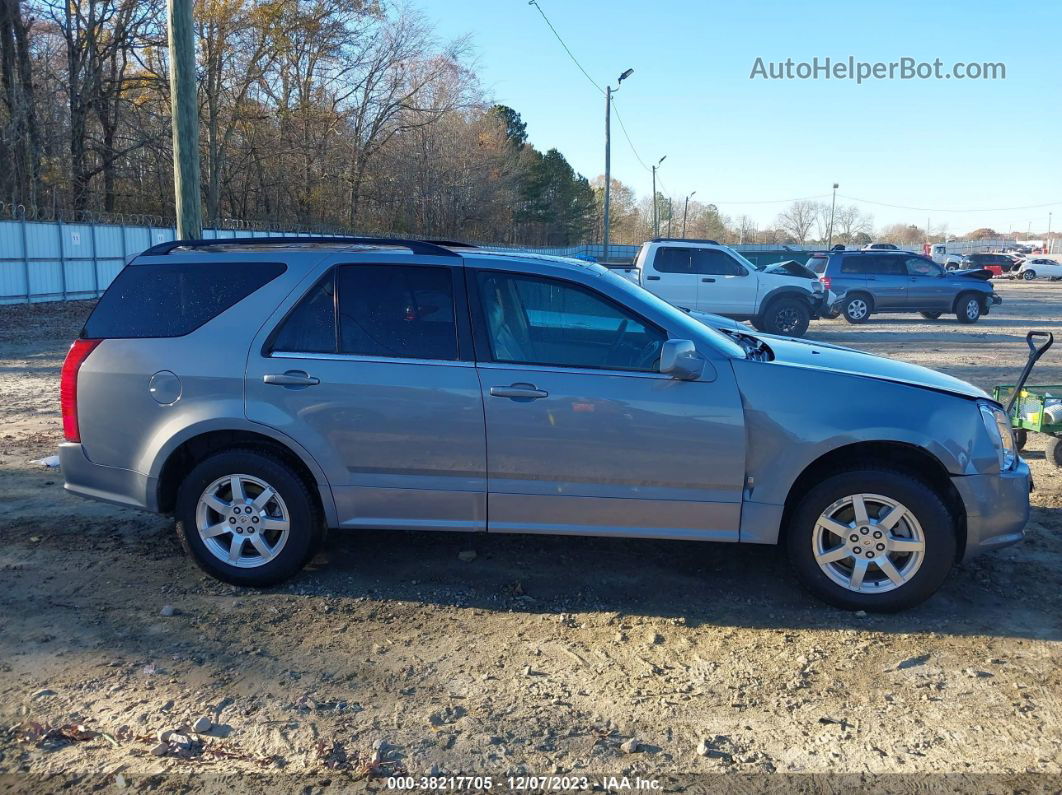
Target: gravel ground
(394,652)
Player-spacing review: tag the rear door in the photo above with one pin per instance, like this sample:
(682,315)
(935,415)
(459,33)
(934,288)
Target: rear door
(725,286)
(371,372)
(887,280)
(668,272)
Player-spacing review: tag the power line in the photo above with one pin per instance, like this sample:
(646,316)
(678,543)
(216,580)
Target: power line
(939,210)
(565,46)
(593,82)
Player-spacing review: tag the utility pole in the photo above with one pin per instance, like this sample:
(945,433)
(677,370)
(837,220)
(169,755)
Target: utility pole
(608,156)
(1047,245)
(685,210)
(833,208)
(656,225)
(185,123)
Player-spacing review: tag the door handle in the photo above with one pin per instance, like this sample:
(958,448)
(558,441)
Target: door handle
(518,392)
(707,279)
(291,378)
(653,278)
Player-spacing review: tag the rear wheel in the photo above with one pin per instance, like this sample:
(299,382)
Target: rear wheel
(873,539)
(246,518)
(968,308)
(788,317)
(1028,275)
(930,315)
(856,308)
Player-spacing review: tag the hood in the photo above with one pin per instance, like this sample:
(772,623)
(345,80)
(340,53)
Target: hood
(974,273)
(791,267)
(715,321)
(807,353)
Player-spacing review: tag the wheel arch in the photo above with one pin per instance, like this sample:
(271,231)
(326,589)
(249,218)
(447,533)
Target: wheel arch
(978,294)
(786,291)
(183,454)
(900,456)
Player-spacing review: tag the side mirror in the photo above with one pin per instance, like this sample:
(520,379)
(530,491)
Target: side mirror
(679,359)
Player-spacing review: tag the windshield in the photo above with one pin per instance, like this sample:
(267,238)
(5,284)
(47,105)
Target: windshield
(721,341)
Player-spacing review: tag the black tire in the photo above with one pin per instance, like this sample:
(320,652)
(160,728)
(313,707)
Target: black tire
(1028,275)
(931,315)
(936,521)
(831,315)
(305,524)
(757,323)
(1053,451)
(968,308)
(786,316)
(857,308)
(1021,438)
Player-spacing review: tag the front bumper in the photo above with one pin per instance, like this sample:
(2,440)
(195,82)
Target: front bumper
(997,508)
(819,304)
(995,299)
(109,484)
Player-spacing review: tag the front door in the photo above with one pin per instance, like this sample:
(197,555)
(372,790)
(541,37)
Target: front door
(726,286)
(381,396)
(584,434)
(927,289)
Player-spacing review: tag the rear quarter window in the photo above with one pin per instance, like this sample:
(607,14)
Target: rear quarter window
(817,264)
(173,299)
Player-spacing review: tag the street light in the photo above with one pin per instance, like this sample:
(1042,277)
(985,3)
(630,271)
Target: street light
(833,207)
(656,225)
(608,152)
(685,210)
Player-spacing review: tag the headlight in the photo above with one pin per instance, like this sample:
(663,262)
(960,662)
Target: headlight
(997,423)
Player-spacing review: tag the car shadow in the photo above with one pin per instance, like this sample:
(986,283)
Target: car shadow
(1012,592)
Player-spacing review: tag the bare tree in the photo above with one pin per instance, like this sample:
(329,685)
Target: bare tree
(798,219)
(851,221)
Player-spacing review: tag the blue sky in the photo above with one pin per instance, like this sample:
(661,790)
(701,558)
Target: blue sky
(939,144)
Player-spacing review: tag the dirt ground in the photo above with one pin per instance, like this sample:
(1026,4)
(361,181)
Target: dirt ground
(539,656)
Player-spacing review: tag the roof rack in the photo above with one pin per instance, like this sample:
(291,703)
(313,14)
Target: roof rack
(423,247)
(684,240)
(451,243)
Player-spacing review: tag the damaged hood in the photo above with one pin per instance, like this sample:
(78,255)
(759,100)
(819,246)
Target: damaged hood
(974,273)
(791,267)
(833,358)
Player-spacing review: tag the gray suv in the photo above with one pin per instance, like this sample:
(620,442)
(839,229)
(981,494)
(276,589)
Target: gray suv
(901,281)
(264,392)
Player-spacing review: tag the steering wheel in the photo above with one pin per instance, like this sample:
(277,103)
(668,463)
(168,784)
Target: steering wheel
(616,342)
(650,353)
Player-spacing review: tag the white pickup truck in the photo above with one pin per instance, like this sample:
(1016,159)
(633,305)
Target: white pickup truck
(705,276)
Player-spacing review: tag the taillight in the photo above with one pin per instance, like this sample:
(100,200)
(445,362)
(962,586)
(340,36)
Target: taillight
(825,281)
(79,351)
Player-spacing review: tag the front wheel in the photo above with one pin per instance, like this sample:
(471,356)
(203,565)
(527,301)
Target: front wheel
(788,317)
(873,539)
(246,518)
(1028,275)
(968,309)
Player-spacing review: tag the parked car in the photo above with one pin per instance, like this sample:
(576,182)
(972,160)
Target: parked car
(952,262)
(898,281)
(996,264)
(1035,267)
(709,277)
(265,392)
(880,247)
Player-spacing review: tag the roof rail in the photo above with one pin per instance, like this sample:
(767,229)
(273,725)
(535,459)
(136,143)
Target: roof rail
(416,246)
(451,243)
(684,240)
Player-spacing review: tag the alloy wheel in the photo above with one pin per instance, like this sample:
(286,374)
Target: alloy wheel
(856,309)
(868,543)
(242,521)
(787,319)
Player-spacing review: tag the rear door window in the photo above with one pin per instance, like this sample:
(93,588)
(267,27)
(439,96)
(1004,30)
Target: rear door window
(401,311)
(172,299)
(886,265)
(672,259)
